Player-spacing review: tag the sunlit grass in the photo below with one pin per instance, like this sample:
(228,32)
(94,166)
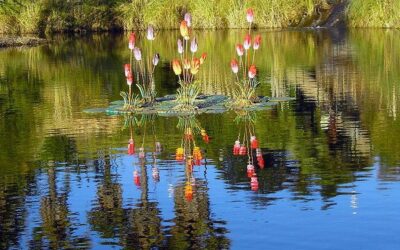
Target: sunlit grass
(374,13)
(56,16)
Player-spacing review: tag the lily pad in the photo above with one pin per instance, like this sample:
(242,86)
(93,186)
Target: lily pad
(168,106)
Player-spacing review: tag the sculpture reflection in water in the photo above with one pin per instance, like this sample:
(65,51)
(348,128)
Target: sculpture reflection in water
(189,151)
(146,125)
(190,196)
(247,145)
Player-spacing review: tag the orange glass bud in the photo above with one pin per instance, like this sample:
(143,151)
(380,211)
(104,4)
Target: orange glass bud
(250,15)
(132,39)
(127,68)
(179,154)
(197,153)
(188,191)
(129,79)
(239,49)
(242,150)
(186,63)
(254,182)
(257,41)
(176,66)
(194,69)
(179,151)
(136,178)
(131,147)
(236,148)
(250,170)
(203,58)
(252,71)
(254,142)
(184,30)
(247,42)
(234,66)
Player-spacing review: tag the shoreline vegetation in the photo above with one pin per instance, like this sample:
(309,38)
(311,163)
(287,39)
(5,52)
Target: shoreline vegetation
(54,16)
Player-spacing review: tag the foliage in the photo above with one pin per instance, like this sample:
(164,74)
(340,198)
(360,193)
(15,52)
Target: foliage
(37,16)
(374,13)
(186,95)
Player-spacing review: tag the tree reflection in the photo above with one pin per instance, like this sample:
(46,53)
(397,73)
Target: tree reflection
(57,230)
(13,211)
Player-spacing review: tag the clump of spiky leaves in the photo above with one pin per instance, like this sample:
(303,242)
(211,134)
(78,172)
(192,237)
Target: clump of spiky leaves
(186,96)
(140,70)
(244,94)
(132,102)
(244,70)
(187,67)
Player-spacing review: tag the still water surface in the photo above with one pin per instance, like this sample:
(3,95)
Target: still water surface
(332,161)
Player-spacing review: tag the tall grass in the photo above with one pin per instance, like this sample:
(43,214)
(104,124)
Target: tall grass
(96,15)
(29,18)
(374,13)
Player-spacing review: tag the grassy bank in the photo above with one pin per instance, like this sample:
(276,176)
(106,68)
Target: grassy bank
(374,13)
(38,16)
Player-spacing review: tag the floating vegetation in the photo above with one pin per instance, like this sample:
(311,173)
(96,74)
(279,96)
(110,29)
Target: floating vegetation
(168,106)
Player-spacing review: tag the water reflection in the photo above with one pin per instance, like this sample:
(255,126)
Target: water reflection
(247,145)
(194,228)
(69,179)
(56,230)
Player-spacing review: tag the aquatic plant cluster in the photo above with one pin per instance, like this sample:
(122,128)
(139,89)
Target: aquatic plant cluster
(141,71)
(186,67)
(245,71)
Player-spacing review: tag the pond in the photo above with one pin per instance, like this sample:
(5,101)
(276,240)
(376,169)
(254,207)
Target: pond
(328,176)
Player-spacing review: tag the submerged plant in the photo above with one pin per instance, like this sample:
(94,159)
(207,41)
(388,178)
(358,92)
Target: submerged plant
(187,66)
(244,69)
(140,70)
(247,144)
